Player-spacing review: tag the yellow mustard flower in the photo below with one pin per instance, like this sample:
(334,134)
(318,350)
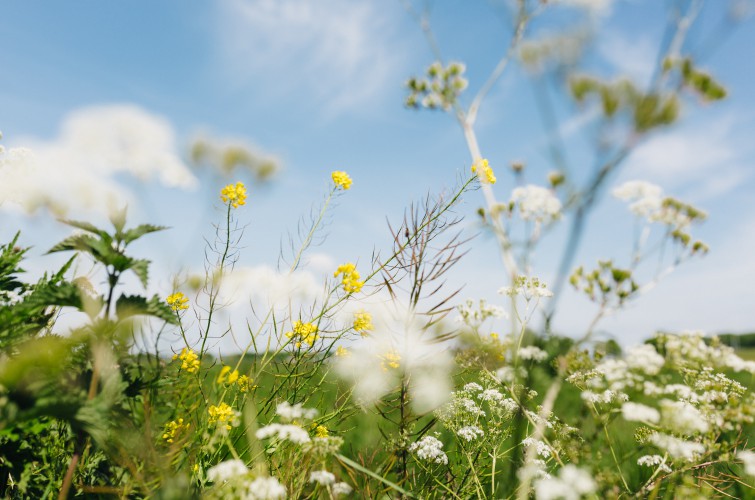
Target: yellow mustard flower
(234,195)
(483,171)
(222,414)
(342,351)
(189,360)
(244,383)
(321,431)
(304,333)
(226,376)
(350,277)
(341,179)
(173,429)
(363,322)
(391,359)
(177,301)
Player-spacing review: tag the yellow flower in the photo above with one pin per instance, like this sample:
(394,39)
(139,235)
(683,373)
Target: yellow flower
(350,277)
(391,359)
(341,179)
(189,360)
(304,332)
(173,429)
(342,351)
(177,301)
(222,414)
(226,376)
(244,383)
(483,171)
(363,322)
(321,431)
(234,195)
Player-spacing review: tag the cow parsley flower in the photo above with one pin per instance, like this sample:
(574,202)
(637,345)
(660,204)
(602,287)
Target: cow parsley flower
(636,412)
(265,488)
(470,433)
(682,417)
(341,489)
(284,432)
(430,449)
(533,353)
(322,477)
(226,471)
(572,483)
(677,448)
(652,461)
(748,461)
(289,413)
(536,203)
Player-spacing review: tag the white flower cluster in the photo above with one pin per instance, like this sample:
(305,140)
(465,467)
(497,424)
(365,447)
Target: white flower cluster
(232,478)
(572,483)
(536,203)
(473,316)
(647,201)
(678,448)
(528,288)
(606,397)
(652,461)
(542,449)
(636,412)
(430,449)
(748,461)
(289,413)
(682,418)
(533,353)
(470,433)
(322,477)
(284,432)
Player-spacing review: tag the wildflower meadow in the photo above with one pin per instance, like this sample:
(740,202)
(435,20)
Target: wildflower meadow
(383,378)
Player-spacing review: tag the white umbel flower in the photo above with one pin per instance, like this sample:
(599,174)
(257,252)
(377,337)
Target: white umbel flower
(341,489)
(430,449)
(265,488)
(636,412)
(289,413)
(536,203)
(678,448)
(292,433)
(748,461)
(572,483)
(227,470)
(470,433)
(322,477)
(682,417)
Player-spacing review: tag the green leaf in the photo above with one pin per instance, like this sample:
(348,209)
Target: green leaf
(140,267)
(91,228)
(135,305)
(139,231)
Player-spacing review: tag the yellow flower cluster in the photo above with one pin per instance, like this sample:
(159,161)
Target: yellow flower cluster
(342,351)
(483,171)
(244,383)
(226,376)
(177,301)
(189,360)
(234,195)
(320,431)
(173,429)
(391,359)
(341,179)
(350,279)
(222,414)
(304,332)
(363,322)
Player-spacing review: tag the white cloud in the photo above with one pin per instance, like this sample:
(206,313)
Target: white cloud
(78,168)
(706,160)
(333,51)
(633,57)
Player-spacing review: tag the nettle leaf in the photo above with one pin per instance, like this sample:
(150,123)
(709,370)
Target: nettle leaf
(140,267)
(91,228)
(101,250)
(135,305)
(139,231)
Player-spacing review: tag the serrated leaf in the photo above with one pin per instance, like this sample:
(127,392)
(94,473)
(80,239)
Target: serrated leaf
(139,231)
(140,267)
(86,226)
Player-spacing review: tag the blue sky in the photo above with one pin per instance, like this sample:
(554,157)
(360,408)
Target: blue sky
(318,85)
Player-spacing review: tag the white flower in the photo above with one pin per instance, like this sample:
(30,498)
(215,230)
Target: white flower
(470,433)
(322,477)
(646,197)
(536,203)
(292,433)
(572,483)
(532,352)
(748,461)
(491,395)
(677,448)
(652,461)
(265,488)
(645,359)
(472,387)
(339,489)
(289,413)
(430,449)
(543,449)
(635,412)
(682,417)
(226,470)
